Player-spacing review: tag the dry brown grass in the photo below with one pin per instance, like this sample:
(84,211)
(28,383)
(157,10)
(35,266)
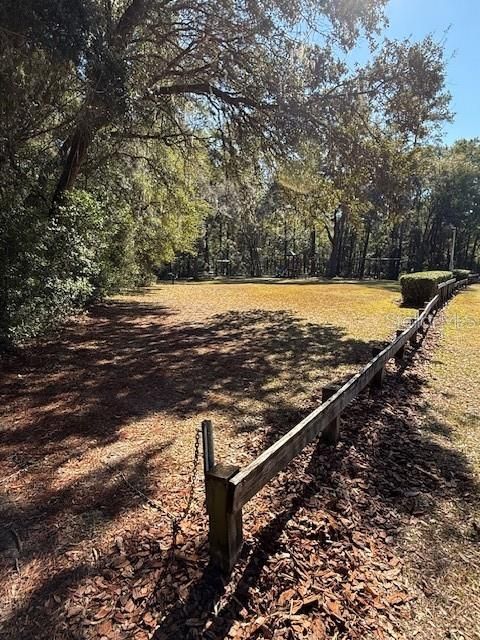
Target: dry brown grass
(443,550)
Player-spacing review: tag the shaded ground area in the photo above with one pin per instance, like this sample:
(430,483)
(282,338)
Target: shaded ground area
(115,402)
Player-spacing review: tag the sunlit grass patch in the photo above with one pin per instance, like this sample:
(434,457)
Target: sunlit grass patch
(261,349)
(456,373)
(366,311)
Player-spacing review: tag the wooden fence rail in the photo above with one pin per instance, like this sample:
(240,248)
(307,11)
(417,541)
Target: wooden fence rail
(228,488)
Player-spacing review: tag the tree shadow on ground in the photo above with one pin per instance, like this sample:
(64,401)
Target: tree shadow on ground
(50,523)
(128,362)
(54,515)
(404,472)
(85,503)
(75,395)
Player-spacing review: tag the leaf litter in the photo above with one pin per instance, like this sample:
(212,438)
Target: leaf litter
(323,555)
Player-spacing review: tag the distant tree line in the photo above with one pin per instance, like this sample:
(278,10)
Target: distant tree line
(405,217)
(145,137)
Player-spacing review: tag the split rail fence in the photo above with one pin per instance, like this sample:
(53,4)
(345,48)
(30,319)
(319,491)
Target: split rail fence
(228,487)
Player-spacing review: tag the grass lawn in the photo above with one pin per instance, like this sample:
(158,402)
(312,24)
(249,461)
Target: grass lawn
(456,376)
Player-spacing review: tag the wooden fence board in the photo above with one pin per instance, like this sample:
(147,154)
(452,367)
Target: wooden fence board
(243,485)
(247,482)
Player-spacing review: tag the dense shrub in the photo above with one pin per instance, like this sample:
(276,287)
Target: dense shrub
(54,261)
(52,264)
(461,274)
(422,286)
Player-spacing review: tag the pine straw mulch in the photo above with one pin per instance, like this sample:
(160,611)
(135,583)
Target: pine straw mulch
(323,556)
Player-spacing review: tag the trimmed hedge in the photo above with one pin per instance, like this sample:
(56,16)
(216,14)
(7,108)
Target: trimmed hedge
(419,287)
(461,274)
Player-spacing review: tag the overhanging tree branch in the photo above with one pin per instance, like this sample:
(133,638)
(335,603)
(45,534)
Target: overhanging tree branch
(207,89)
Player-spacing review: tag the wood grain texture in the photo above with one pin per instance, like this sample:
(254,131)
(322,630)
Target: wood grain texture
(225,526)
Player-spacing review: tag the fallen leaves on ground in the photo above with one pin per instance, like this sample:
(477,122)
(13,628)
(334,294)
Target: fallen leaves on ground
(319,559)
(321,556)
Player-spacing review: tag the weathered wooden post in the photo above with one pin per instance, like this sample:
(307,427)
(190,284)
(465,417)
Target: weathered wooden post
(331,434)
(413,339)
(422,328)
(379,377)
(225,526)
(208,447)
(428,317)
(401,352)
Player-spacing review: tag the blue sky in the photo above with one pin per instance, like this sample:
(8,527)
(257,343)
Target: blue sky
(416,19)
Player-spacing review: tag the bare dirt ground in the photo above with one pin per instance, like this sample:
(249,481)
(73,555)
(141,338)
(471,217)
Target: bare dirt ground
(115,402)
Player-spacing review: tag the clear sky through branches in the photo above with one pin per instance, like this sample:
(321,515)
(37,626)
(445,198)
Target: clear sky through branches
(457,23)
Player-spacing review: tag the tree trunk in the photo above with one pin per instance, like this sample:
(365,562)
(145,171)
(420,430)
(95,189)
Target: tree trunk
(313,246)
(87,127)
(350,257)
(336,240)
(76,155)
(398,265)
(364,252)
(465,249)
(391,269)
(206,248)
(473,253)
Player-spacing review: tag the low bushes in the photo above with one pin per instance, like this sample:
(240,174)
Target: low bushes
(422,286)
(461,274)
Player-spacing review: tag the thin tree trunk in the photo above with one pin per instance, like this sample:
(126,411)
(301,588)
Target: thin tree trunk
(364,252)
(313,246)
(351,252)
(391,269)
(398,265)
(206,249)
(336,240)
(473,252)
(465,251)
(76,155)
